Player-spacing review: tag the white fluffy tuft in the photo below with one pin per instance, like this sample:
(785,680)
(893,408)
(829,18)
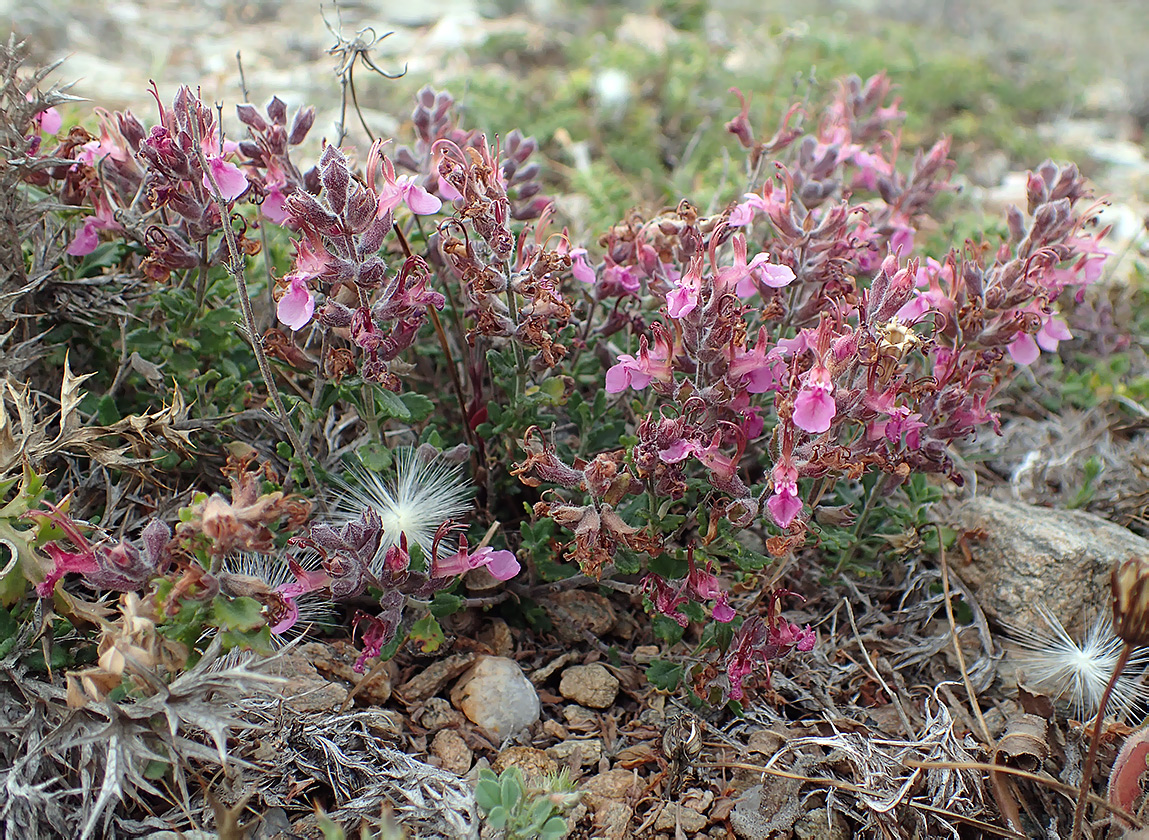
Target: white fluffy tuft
(1077,673)
(315,608)
(422,496)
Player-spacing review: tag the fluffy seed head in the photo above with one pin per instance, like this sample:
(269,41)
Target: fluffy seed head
(315,608)
(423,495)
(1078,672)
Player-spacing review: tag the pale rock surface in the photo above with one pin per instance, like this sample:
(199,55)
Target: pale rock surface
(495,695)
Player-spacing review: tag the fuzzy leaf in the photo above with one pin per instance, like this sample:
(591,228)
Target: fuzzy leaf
(241,614)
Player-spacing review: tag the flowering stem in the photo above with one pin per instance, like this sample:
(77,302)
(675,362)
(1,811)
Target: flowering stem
(863,518)
(234,267)
(520,358)
(1094,740)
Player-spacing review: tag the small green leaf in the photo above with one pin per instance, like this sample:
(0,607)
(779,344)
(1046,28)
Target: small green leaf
(155,770)
(419,407)
(445,604)
(427,633)
(497,817)
(390,405)
(237,613)
(511,786)
(487,790)
(664,675)
(554,828)
(666,629)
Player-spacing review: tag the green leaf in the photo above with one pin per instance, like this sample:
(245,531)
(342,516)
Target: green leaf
(444,604)
(554,829)
(664,675)
(240,614)
(156,770)
(388,404)
(626,562)
(427,633)
(487,790)
(510,787)
(497,817)
(419,407)
(667,629)
(331,830)
(258,641)
(375,456)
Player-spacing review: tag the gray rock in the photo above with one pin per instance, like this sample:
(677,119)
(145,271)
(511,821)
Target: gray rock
(589,685)
(495,695)
(589,751)
(452,751)
(1023,556)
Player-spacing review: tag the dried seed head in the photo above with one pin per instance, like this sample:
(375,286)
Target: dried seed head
(682,740)
(896,340)
(1130,584)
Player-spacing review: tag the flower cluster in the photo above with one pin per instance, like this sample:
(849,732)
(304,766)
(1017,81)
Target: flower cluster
(759,641)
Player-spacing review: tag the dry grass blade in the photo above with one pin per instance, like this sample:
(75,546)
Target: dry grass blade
(344,752)
(67,767)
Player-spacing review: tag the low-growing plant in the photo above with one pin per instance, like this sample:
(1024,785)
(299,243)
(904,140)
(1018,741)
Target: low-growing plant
(689,399)
(523,813)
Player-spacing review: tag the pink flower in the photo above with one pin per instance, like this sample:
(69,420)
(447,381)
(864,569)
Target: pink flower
(684,298)
(743,214)
(1052,332)
(230,178)
(501,563)
(934,298)
(580,268)
(447,191)
(761,369)
(784,505)
(899,420)
(665,599)
(48,121)
(902,238)
(1025,348)
(743,274)
(273,203)
(637,373)
(705,587)
(814,406)
(619,280)
(404,190)
(87,238)
(298,305)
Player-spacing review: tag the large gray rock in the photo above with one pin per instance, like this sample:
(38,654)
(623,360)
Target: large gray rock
(1023,557)
(495,695)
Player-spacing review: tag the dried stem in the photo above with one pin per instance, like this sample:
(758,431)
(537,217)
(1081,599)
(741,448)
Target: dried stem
(1094,740)
(234,268)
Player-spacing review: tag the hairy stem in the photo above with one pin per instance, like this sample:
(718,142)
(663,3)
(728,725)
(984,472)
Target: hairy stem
(1094,740)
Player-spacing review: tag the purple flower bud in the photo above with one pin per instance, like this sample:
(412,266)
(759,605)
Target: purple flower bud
(311,181)
(249,116)
(276,140)
(334,314)
(251,149)
(526,149)
(372,273)
(277,110)
(1016,224)
(528,172)
(304,119)
(372,237)
(335,176)
(131,128)
(361,209)
(305,210)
